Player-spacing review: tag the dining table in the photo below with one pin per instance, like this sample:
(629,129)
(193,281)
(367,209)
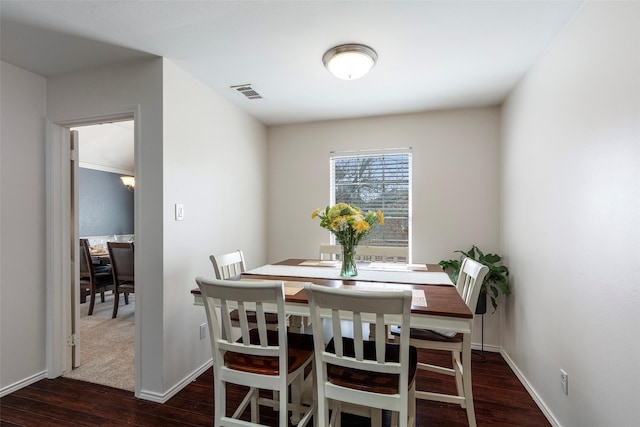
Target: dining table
(436,303)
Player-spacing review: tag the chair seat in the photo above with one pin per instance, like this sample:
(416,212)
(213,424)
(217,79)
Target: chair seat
(428,335)
(369,381)
(269,318)
(102,269)
(300,348)
(103,279)
(126,286)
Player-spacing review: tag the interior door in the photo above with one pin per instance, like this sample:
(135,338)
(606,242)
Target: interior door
(75,249)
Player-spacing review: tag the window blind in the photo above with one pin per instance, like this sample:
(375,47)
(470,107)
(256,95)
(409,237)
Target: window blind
(376,180)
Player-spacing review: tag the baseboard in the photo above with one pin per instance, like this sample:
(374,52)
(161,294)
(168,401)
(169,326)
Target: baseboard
(23,383)
(486,347)
(532,392)
(164,397)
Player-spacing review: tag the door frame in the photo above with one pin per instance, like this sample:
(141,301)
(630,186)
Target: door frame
(59,271)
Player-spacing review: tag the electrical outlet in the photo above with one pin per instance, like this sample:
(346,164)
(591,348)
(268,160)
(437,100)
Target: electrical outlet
(203,331)
(564,381)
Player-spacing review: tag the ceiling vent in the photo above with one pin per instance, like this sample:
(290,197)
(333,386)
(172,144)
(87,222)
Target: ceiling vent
(247,91)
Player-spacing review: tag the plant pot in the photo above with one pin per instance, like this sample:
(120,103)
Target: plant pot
(481,306)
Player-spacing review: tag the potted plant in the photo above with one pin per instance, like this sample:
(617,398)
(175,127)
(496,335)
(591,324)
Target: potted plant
(495,282)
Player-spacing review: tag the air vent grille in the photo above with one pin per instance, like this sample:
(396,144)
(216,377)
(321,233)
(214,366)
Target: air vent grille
(247,91)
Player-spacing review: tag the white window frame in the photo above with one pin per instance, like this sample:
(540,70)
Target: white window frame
(375,153)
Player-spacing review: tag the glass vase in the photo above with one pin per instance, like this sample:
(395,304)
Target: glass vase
(349,267)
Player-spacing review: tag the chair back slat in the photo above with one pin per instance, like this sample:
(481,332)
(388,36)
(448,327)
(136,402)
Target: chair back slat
(244,324)
(358,335)
(225,321)
(262,324)
(381,337)
(337,331)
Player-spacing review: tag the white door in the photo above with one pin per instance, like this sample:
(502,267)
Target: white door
(61,278)
(75,248)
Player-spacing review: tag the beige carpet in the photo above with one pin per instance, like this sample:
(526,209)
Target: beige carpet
(107,346)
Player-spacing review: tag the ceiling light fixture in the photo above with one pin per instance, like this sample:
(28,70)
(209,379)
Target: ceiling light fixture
(350,61)
(129,182)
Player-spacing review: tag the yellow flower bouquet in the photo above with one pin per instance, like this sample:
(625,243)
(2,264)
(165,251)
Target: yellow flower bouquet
(349,225)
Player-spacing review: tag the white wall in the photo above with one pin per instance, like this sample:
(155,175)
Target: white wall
(111,90)
(193,147)
(215,165)
(571,219)
(455,182)
(22,226)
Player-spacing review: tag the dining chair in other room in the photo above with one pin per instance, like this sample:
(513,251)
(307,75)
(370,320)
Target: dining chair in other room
(382,254)
(93,279)
(330,252)
(229,265)
(122,265)
(469,283)
(261,359)
(354,373)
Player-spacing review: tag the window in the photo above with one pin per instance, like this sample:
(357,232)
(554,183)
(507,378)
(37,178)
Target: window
(375,180)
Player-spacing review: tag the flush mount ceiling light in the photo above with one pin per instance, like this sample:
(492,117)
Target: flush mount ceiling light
(350,61)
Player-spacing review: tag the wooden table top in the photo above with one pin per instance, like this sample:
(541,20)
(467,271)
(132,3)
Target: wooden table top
(442,300)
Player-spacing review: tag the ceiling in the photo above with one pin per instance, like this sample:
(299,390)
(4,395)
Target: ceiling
(431,54)
(107,147)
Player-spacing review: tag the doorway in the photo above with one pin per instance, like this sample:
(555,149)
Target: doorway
(64,304)
(106,213)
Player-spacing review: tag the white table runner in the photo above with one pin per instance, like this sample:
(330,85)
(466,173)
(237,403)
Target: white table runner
(364,275)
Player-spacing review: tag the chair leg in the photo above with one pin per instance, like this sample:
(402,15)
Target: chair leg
(220,403)
(297,388)
(255,408)
(466,380)
(323,409)
(459,375)
(295,323)
(116,300)
(92,301)
(376,417)
(101,296)
(126,297)
(412,405)
(336,416)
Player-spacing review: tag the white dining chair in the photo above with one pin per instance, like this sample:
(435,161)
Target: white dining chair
(367,253)
(229,265)
(354,374)
(382,254)
(330,252)
(262,359)
(469,283)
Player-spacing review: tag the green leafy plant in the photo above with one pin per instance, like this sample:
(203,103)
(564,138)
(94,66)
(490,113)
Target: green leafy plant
(495,282)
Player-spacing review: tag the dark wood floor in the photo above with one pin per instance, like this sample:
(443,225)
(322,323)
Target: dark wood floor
(499,398)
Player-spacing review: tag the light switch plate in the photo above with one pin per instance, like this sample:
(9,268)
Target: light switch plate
(179,212)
